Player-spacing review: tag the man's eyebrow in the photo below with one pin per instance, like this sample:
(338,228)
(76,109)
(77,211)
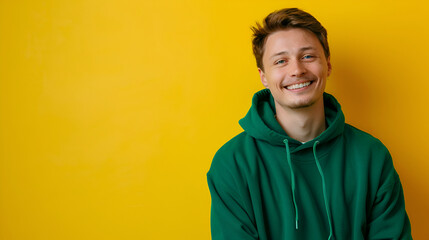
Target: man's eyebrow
(286,52)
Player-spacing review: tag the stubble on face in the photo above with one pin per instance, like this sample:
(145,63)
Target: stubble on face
(295,56)
(301,105)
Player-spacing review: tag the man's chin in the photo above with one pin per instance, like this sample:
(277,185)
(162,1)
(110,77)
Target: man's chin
(297,103)
(301,105)
(303,102)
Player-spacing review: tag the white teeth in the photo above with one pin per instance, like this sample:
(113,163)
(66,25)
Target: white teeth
(299,85)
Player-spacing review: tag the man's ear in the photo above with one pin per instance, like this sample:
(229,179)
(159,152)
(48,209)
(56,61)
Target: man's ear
(329,65)
(263,79)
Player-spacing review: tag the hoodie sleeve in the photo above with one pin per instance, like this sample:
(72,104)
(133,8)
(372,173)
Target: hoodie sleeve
(388,218)
(230,218)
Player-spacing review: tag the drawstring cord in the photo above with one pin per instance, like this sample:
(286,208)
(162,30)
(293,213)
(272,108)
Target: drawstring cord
(292,176)
(328,210)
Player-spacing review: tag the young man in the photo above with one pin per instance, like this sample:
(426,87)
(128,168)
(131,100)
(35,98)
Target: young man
(298,171)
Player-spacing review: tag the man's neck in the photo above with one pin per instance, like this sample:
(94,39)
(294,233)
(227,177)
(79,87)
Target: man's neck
(302,124)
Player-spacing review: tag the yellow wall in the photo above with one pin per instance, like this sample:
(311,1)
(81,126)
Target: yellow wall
(111,111)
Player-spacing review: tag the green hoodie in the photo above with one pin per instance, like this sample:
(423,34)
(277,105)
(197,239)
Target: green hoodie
(341,185)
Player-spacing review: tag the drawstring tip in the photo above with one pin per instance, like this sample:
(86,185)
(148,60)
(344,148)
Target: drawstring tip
(296,224)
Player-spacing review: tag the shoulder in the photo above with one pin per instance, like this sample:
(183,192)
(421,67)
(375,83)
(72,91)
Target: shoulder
(370,153)
(232,155)
(233,146)
(363,140)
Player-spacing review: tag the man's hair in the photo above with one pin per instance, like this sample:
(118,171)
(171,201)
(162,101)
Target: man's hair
(281,20)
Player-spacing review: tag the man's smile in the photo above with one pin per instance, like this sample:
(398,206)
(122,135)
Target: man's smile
(298,85)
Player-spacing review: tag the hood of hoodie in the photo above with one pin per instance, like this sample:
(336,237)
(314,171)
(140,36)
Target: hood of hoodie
(260,122)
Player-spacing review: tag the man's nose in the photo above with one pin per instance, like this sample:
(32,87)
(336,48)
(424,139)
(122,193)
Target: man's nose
(296,68)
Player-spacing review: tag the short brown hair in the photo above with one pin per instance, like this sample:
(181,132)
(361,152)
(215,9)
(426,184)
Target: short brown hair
(283,19)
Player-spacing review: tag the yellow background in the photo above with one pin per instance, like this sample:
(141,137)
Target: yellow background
(111,111)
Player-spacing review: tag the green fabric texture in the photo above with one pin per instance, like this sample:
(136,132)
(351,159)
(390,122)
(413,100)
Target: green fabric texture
(341,185)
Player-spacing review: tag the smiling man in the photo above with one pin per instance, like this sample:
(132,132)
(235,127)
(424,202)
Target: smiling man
(298,171)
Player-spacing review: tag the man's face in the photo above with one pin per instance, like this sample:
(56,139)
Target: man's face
(295,68)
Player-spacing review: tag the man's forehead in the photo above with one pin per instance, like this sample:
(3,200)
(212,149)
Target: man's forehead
(291,40)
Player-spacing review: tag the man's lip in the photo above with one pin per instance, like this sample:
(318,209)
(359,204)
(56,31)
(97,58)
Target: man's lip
(311,81)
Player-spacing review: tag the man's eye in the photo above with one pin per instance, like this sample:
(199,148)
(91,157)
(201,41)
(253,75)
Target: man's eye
(308,57)
(280,62)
